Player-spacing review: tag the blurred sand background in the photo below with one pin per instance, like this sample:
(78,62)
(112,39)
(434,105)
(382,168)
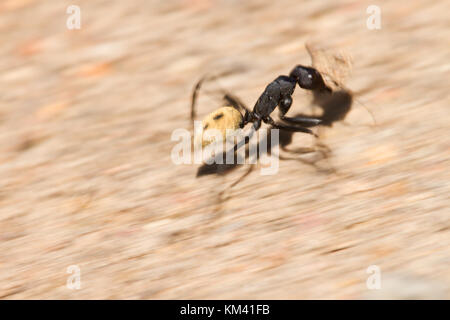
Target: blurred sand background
(86,176)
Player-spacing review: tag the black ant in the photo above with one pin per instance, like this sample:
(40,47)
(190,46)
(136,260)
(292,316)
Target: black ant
(277,94)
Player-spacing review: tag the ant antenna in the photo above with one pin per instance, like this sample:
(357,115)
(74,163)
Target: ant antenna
(199,84)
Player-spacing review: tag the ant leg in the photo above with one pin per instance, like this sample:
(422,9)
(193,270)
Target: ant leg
(235,102)
(304,121)
(257,124)
(287,127)
(195,92)
(227,190)
(300,150)
(285,105)
(199,84)
(293,128)
(242,177)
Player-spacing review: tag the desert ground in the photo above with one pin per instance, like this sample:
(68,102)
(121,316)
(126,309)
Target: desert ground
(87,180)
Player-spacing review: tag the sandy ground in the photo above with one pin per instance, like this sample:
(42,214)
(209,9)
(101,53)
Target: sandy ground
(86,176)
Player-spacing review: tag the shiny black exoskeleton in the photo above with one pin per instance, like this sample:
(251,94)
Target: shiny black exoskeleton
(279,94)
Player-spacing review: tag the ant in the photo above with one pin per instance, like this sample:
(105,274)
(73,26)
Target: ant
(278,93)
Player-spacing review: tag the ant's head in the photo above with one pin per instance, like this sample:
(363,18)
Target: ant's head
(309,78)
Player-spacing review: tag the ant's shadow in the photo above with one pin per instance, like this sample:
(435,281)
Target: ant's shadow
(335,106)
(222,167)
(263,147)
